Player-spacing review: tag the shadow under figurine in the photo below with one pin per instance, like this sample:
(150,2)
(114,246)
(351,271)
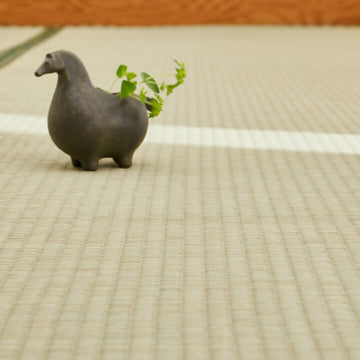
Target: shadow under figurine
(87,123)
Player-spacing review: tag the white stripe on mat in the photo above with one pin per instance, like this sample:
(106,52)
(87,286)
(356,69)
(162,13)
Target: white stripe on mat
(216,137)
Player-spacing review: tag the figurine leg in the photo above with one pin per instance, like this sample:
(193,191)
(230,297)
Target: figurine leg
(76,163)
(90,165)
(124,161)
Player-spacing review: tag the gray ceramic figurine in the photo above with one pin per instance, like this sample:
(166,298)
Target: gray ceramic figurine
(87,123)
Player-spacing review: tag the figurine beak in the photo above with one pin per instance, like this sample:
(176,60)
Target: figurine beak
(42,69)
(39,71)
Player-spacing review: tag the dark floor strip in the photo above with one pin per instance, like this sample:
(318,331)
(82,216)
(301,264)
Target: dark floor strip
(9,55)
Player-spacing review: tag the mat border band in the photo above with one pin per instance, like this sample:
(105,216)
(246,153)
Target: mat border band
(9,55)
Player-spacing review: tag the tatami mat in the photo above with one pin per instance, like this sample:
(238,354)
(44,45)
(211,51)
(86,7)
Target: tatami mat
(228,248)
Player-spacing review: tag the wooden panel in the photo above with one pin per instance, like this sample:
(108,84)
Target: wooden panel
(164,12)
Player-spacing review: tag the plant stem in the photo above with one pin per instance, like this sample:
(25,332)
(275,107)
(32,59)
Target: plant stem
(157,75)
(112,85)
(138,98)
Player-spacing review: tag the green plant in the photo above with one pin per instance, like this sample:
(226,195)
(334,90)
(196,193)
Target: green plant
(129,85)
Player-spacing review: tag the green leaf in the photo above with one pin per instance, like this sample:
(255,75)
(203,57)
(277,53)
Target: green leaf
(170,88)
(127,88)
(160,99)
(179,63)
(180,74)
(130,75)
(150,82)
(180,71)
(142,96)
(162,86)
(156,107)
(121,71)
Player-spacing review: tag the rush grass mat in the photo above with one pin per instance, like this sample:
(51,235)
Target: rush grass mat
(234,235)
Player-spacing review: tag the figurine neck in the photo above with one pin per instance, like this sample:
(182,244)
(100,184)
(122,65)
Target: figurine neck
(74,74)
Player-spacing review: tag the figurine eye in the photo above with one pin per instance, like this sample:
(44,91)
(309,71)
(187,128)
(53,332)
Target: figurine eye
(48,56)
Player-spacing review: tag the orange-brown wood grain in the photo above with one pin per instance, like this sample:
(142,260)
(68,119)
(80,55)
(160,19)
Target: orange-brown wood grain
(178,12)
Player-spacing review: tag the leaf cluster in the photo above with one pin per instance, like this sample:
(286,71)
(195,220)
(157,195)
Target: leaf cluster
(129,85)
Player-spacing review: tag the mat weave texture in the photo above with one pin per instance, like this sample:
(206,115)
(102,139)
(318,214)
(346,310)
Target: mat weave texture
(198,251)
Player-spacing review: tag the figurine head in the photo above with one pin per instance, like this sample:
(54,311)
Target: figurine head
(53,63)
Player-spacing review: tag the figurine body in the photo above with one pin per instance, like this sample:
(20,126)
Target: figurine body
(87,123)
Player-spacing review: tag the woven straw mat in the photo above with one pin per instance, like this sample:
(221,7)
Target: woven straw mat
(234,235)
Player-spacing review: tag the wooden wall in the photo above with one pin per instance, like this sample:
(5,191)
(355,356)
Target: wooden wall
(165,12)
